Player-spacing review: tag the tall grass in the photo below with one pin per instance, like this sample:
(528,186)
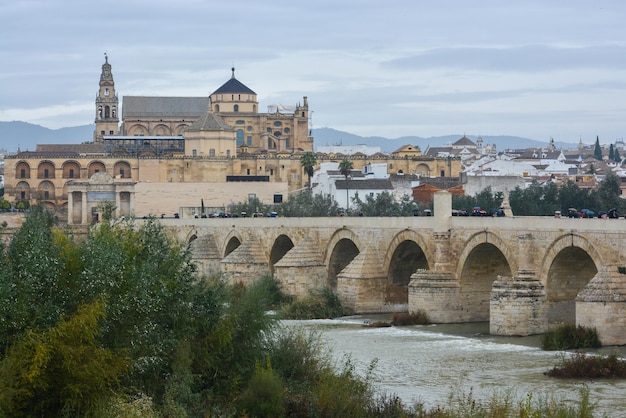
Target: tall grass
(585,366)
(569,336)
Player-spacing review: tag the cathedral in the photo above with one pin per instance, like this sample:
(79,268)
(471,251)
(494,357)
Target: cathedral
(167,153)
(171,155)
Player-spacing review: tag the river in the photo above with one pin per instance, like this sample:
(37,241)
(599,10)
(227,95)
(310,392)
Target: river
(428,363)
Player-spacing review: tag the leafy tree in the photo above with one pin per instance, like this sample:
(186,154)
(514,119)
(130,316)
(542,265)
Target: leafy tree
(4,204)
(32,294)
(308,205)
(385,204)
(60,370)
(308,162)
(608,193)
(485,199)
(345,167)
(250,206)
(597,150)
(535,200)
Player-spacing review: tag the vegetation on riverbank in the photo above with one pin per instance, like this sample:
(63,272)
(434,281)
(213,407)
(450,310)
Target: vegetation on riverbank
(418,317)
(570,336)
(587,366)
(318,304)
(120,325)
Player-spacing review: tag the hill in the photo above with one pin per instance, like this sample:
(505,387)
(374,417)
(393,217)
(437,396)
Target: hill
(25,137)
(329,136)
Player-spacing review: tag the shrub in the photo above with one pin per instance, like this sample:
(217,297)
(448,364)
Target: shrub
(265,394)
(583,366)
(569,336)
(319,304)
(414,318)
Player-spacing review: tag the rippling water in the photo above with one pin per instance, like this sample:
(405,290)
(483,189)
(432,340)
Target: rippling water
(428,363)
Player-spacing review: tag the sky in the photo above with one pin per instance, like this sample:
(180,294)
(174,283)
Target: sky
(535,69)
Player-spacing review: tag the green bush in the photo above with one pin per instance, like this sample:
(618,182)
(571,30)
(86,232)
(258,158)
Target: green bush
(569,336)
(265,394)
(583,366)
(319,304)
(414,318)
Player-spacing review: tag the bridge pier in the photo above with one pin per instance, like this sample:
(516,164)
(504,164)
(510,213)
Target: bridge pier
(437,294)
(301,269)
(245,264)
(518,305)
(362,284)
(602,303)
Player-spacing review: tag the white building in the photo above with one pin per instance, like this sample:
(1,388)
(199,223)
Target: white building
(370,181)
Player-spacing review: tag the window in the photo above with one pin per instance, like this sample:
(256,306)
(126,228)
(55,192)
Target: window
(46,173)
(71,173)
(240,122)
(249,140)
(287,130)
(277,124)
(247,171)
(110,132)
(23,173)
(227,153)
(271,171)
(122,173)
(46,195)
(249,128)
(239,137)
(212,152)
(101,132)
(194,152)
(22,195)
(287,142)
(443,173)
(106,92)
(371,194)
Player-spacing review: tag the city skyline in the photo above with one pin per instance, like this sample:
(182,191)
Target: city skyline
(388,69)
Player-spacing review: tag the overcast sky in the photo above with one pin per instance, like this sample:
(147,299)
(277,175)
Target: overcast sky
(536,69)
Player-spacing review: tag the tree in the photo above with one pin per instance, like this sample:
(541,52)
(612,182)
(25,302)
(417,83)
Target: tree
(385,204)
(597,151)
(308,205)
(308,162)
(611,153)
(345,167)
(616,157)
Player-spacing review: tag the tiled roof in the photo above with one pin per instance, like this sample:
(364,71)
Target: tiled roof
(209,122)
(465,141)
(371,184)
(233,86)
(66,149)
(142,106)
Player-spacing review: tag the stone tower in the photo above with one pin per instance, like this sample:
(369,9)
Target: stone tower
(107,105)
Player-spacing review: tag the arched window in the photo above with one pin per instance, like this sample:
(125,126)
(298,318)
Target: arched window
(236,108)
(239,137)
(107,111)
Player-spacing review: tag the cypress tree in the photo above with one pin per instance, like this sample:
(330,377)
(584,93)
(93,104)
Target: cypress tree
(616,156)
(611,153)
(597,151)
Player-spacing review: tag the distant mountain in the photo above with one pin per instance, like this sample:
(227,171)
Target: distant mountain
(329,136)
(26,136)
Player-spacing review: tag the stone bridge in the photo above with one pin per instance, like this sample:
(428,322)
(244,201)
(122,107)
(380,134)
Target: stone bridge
(522,274)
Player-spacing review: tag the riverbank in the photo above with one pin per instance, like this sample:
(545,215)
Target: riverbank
(429,363)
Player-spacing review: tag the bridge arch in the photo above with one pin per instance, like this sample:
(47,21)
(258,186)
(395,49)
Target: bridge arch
(485,257)
(569,264)
(342,248)
(231,243)
(282,245)
(405,255)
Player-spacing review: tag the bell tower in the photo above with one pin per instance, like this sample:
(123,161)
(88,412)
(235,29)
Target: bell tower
(107,105)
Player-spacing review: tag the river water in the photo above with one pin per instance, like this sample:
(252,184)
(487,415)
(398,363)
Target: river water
(429,363)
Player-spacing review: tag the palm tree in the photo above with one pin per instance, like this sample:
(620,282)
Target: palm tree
(345,167)
(308,161)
